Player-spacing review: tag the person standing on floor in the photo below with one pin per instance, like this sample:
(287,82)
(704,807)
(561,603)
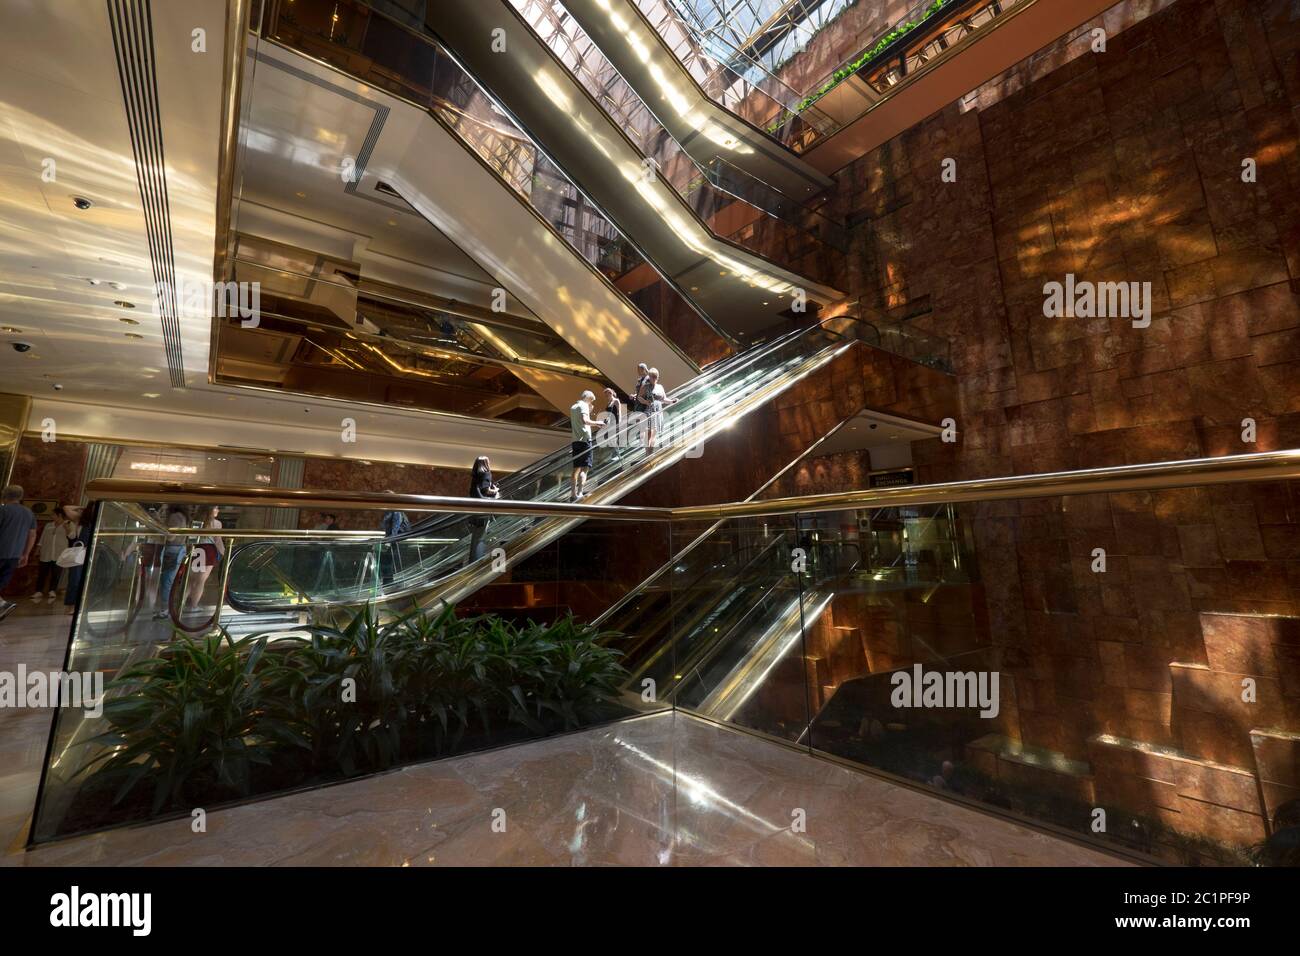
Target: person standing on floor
(173,553)
(481,485)
(211,548)
(54,541)
(580,426)
(17,538)
(83,521)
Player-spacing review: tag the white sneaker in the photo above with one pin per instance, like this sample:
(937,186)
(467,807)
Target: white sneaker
(52,596)
(38,597)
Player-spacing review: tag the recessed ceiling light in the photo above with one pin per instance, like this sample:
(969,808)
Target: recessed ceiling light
(124,304)
(94,281)
(81,202)
(151,394)
(9,328)
(133,335)
(301,195)
(123,318)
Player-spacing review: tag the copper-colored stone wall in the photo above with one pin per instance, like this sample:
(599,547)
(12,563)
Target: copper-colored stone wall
(848,34)
(51,470)
(733,465)
(823,474)
(1122,166)
(331,473)
(681,324)
(46,470)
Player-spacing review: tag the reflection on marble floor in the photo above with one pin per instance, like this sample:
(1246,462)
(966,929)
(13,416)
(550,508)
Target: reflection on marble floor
(660,790)
(35,635)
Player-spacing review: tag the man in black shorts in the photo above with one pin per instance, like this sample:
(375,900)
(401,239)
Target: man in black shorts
(581,424)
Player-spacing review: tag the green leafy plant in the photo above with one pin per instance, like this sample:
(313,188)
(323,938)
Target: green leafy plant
(346,689)
(200,717)
(867,56)
(217,719)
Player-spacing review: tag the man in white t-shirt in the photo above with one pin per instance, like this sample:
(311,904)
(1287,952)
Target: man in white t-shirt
(580,426)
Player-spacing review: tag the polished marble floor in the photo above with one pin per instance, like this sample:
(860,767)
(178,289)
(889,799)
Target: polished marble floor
(659,790)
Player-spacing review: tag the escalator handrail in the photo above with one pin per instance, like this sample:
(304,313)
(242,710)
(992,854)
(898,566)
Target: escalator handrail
(586,93)
(1283,464)
(435,579)
(557,459)
(523,201)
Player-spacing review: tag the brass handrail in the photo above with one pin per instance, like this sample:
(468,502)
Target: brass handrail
(261,534)
(144,489)
(1229,469)
(232,85)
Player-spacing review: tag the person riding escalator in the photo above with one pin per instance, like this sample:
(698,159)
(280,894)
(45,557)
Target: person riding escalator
(481,485)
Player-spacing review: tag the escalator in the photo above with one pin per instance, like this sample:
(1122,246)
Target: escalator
(740,291)
(726,583)
(712,627)
(406,570)
(726,174)
(487,189)
(706,130)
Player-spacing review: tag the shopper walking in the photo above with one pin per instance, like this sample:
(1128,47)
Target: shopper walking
(83,520)
(17,538)
(173,553)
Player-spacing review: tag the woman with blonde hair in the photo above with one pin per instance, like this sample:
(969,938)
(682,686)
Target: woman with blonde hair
(655,399)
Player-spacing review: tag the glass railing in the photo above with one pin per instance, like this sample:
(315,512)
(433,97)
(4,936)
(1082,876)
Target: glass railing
(994,642)
(252,705)
(270,575)
(390,55)
(1015,657)
(738,81)
(722,612)
(900,338)
(718,192)
(921,35)
(275,575)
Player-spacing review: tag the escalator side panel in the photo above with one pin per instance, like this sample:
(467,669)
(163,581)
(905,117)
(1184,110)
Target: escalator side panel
(737,290)
(705,129)
(483,217)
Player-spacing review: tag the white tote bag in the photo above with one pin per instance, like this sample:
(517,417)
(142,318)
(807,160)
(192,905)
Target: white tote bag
(72,557)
